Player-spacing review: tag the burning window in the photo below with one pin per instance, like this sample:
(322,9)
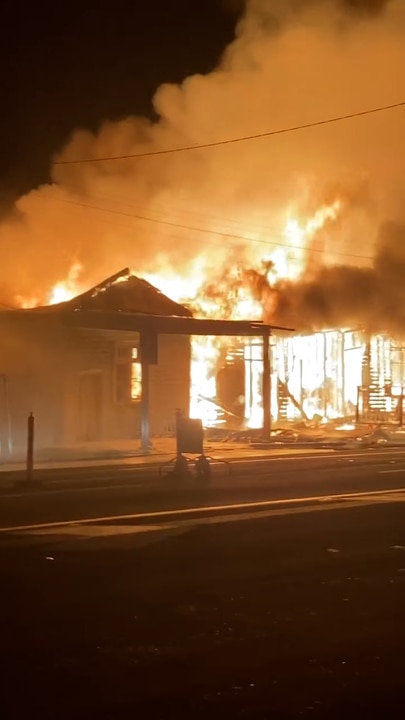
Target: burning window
(128,374)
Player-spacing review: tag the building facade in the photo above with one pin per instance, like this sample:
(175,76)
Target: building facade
(85,385)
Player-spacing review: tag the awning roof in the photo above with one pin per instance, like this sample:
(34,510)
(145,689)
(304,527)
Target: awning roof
(165,325)
(127,303)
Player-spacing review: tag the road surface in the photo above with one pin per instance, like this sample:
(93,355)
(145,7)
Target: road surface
(105,492)
(293,610)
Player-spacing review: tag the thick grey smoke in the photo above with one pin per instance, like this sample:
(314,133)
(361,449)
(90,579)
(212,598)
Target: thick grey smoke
(233,201)
(326,296)
(339,296)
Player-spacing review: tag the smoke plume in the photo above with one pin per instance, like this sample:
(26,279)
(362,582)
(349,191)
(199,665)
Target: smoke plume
(291,63)
(372,299)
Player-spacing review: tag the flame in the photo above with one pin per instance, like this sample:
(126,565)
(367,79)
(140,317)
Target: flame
(63,291)
(231,298)
(67,289)
(27,302)
(227,295)
(191,285)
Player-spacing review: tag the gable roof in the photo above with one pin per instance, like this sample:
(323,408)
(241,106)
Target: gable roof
(123,292)
(126,302)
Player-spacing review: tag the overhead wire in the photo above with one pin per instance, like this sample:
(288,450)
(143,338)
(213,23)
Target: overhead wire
(209,231)
(234,140)
(179,211)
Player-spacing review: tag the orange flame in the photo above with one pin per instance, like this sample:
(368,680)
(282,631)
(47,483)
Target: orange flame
(67,289)
(231,298)
(63,291)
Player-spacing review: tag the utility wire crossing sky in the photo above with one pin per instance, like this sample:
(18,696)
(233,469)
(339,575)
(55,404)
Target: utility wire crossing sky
(210,231)
(230,141)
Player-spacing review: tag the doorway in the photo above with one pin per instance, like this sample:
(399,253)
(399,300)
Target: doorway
(90,406)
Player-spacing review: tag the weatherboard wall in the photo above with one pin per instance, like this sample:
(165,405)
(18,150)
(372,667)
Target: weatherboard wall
(66,377)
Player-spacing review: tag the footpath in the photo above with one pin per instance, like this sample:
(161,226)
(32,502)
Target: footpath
(78,462)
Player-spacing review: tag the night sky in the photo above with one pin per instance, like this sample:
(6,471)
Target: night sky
(64,66)
(76,64)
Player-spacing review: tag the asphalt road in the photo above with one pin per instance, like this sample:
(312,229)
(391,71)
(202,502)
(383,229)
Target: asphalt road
(290,611)
(119,491)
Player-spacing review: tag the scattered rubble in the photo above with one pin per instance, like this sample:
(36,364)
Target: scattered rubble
(342,432)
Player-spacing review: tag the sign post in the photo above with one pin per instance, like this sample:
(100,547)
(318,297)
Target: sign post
(148,356)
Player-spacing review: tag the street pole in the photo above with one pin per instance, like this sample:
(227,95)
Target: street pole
(30,448)
(401,398)
(7,415)
(358,405)
(266,387)
(145,439)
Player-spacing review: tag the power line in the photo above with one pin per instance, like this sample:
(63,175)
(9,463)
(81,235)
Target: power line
(179,211)
(231,141)
(215,219)
(274,231)
(232,236)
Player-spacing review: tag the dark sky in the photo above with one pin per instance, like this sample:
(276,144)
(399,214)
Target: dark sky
(77,63)
(64,65)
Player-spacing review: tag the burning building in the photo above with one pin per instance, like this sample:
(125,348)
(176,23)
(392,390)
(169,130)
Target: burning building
(327,376)
(117,361)
(113,363)
(83,380)
(305,230)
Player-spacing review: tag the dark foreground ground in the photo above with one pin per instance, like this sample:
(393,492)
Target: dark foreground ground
(285,617)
